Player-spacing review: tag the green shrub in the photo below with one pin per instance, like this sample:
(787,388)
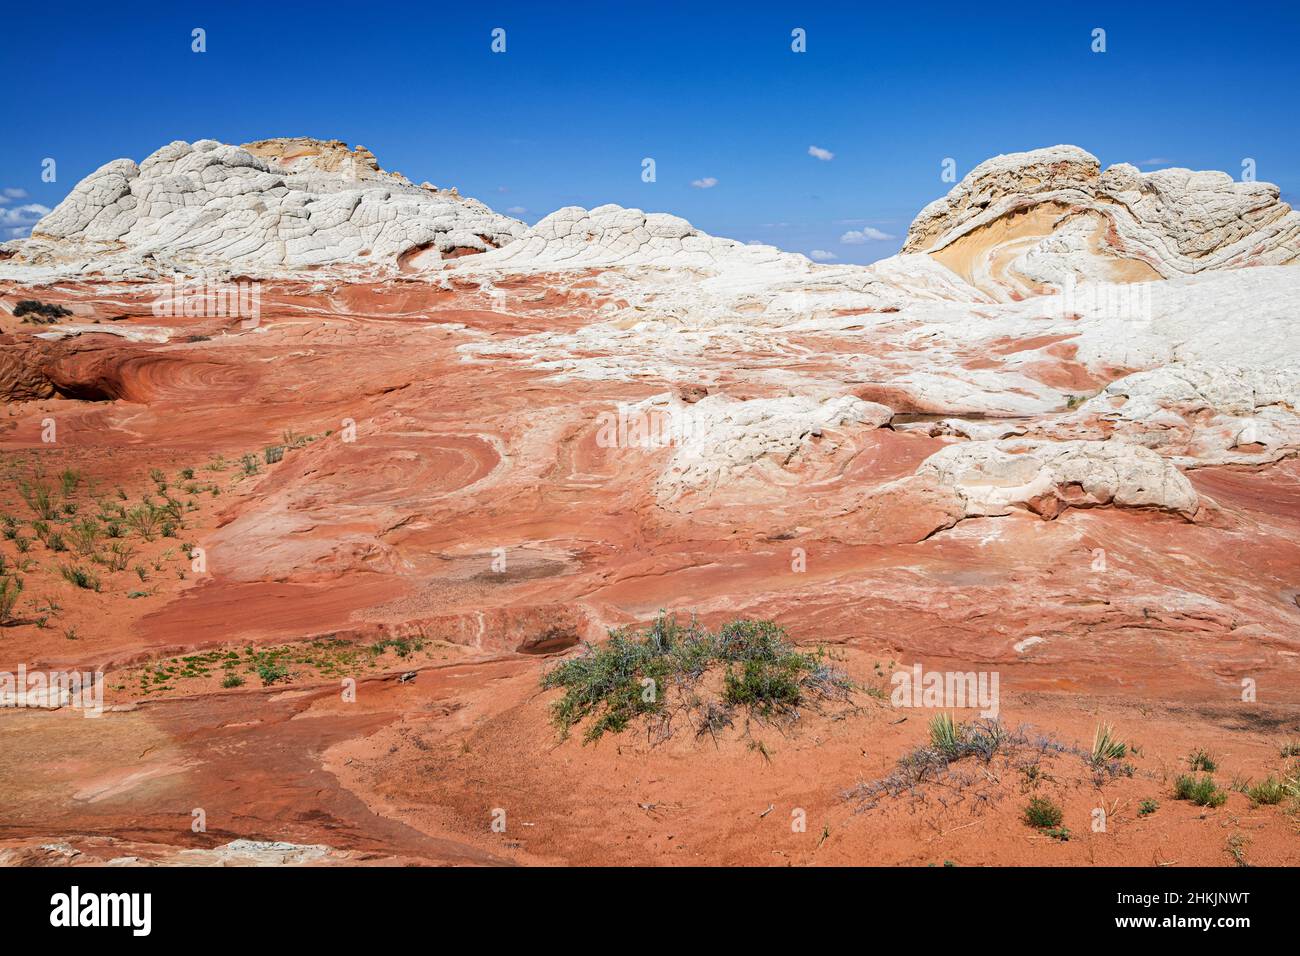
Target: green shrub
(232,680)
(1147,807)
(80,577)
(39,497)
(1268,791)
(1202,791)
(634,673)
(11,588)
(1043,814)
(1200,760)
(272,672)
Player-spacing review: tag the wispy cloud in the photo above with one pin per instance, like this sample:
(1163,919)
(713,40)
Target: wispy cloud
(15,193)
(856,237)
(708,182)
(1156,161)
(816,152)
(517,210)
(821,255)
(17,222)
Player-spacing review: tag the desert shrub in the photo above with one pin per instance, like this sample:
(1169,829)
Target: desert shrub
(1202,791)
(1198,759)
(145,520)
(272,672)
(273,453)
(56,543)
(249,463)
(11,588)
(39,313)
(1042,814)
(39,497)
(1268,791)
(79,576)
(635,673)
(69,481)
(1147,807)
(119,556)
(232,680)
(85,536)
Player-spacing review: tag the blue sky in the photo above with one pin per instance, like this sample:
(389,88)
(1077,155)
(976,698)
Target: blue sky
(585,91)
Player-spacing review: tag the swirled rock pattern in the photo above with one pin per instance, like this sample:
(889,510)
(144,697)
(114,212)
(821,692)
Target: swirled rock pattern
(1019,222)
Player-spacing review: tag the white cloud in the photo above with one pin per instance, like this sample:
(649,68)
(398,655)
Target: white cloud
(856,237)
(825,155)
(516,210)
(1156,161)
(708,182)
(13,193)
(19,220)
(821,255)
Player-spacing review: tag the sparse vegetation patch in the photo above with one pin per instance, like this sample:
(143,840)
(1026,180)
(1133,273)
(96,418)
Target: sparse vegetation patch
(665,672)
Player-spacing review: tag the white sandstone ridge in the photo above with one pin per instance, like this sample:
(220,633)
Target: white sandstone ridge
(275,205)
(1046,477)
(1023,221)
(1205,413)
(720,437)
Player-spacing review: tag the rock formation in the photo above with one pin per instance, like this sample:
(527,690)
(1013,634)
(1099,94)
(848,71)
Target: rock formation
(1055,438)
(1022,222)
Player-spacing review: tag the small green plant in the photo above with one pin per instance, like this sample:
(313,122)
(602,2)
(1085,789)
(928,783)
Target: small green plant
(79,576)
(1268,791)
(69,481)
(145,521)
(1042,814)
(1106,747)
(272,672)
(273,453)
(944,735)
(1202,791)
(249,463)
(1198,759)
(22,544)
(232,680)
(11,589)
(1058,833)
(119,556)
(39,497)
(1147,807)
(1291,748)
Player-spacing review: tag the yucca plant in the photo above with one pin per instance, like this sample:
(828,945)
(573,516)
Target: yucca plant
(1106,746)
(945,735)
